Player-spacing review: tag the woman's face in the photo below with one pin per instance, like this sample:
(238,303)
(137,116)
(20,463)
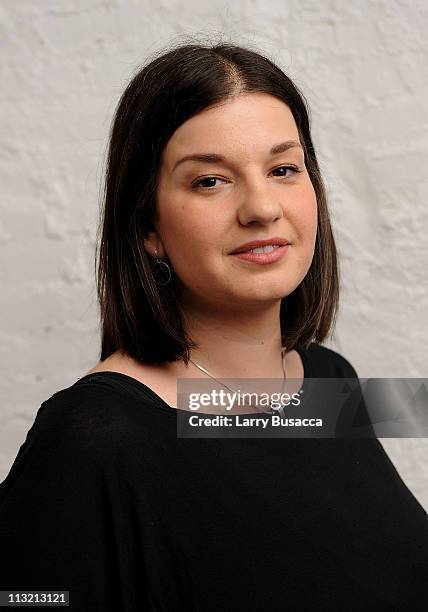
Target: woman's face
(207,208)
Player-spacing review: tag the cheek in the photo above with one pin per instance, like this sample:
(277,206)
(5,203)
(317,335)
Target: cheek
(307,213)
(192,232)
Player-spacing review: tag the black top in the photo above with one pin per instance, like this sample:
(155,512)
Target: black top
(103,500)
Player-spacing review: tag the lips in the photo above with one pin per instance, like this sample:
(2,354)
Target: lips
(247,246)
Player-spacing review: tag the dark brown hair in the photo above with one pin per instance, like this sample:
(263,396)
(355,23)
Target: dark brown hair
(137,314)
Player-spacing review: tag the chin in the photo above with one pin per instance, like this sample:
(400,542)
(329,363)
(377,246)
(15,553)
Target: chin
(259,297)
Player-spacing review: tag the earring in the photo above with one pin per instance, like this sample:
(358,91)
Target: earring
(164,269)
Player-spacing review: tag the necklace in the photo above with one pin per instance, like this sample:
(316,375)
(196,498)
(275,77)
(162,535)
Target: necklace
(273,410)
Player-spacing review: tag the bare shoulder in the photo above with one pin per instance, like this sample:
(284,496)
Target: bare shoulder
(123,363)
(117,362)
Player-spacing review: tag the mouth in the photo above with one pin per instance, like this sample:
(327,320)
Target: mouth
(263,255)
(261,246)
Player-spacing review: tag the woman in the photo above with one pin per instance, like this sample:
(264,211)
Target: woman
(210,155)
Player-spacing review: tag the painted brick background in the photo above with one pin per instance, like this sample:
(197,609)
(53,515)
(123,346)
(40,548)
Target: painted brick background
(363,68)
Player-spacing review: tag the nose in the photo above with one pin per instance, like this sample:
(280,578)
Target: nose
(259,205)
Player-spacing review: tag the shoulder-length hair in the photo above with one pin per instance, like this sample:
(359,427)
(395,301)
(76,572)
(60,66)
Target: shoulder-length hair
(137,314)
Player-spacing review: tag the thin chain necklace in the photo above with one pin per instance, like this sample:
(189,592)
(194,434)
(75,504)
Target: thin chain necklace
(284,379)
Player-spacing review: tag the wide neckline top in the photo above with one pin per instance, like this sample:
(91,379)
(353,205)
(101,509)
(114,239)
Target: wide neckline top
(159,403)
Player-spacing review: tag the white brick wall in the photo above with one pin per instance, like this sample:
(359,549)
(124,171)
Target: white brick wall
(363,67)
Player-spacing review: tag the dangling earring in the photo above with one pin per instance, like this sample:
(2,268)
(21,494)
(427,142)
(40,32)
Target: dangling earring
(164,268)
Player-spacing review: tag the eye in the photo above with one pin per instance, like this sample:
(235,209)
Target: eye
(294,170)
(197,184)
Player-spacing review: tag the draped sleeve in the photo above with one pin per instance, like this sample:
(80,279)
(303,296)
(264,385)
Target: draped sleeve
(67,506)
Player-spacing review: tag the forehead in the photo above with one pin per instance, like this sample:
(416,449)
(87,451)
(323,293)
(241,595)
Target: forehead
(242,126)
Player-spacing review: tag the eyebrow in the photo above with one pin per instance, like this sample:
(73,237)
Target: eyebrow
(282,147)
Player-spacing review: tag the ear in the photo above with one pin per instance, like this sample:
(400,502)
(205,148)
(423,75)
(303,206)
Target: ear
(152,243)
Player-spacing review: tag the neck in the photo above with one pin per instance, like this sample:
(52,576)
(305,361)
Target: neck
(248,346)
